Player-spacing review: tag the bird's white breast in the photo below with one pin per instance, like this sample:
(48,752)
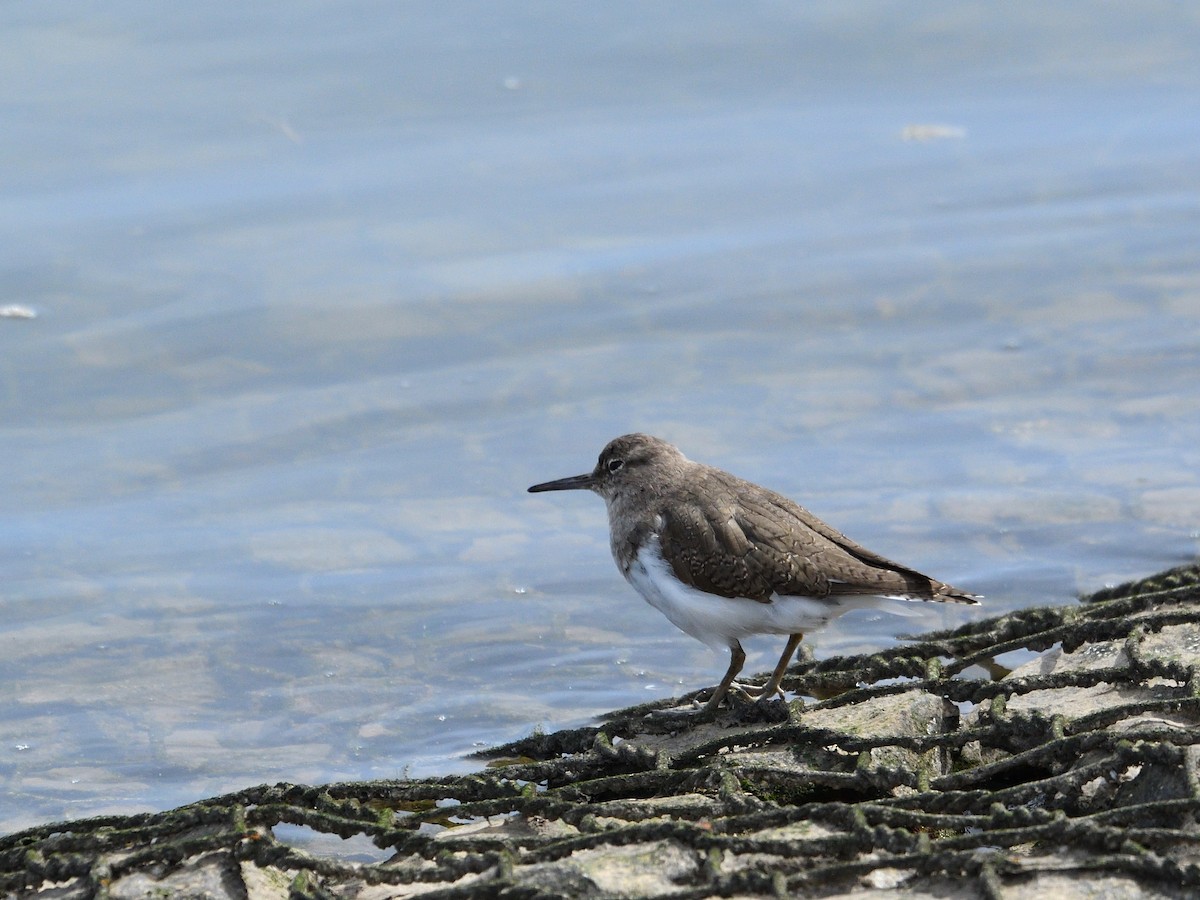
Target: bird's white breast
(723,621)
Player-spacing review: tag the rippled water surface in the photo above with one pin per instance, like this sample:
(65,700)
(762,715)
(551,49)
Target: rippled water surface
(318,290)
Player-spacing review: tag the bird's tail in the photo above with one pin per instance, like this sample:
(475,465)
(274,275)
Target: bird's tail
(944,593)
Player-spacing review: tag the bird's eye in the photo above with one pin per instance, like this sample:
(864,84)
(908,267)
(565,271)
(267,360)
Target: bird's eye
(615,465)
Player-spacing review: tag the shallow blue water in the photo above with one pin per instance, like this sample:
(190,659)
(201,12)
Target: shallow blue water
(320,291)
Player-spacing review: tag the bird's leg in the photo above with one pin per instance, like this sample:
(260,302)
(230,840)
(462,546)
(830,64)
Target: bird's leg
(737,659)
(771,688)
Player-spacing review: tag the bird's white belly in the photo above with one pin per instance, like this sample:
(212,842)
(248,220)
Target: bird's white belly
(723,621)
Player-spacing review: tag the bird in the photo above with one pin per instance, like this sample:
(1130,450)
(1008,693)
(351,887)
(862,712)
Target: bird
(724,559)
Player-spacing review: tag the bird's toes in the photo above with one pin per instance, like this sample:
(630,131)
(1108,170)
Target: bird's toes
(754,692)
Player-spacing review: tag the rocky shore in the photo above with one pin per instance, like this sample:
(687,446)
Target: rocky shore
(896,774)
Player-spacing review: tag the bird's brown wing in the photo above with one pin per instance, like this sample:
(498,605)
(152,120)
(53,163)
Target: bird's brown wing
(718,547)
(744,541)
(848,567)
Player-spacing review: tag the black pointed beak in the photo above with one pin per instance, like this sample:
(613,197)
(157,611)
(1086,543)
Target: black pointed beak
(574,483)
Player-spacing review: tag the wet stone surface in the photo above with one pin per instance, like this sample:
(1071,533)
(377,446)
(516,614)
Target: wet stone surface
(1074,776)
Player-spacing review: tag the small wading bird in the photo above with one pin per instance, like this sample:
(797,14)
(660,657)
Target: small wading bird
(724,559)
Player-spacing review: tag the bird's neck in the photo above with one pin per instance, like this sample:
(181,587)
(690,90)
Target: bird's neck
(633,518)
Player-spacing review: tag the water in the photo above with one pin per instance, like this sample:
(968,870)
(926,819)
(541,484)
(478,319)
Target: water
(319,291)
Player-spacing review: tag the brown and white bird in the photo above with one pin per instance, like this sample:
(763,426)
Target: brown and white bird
(725,559)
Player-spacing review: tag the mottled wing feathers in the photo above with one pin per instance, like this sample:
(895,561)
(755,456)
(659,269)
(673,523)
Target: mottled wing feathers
(744,541)
(709,549)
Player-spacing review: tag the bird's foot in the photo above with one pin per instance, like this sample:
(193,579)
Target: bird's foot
(754,692)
